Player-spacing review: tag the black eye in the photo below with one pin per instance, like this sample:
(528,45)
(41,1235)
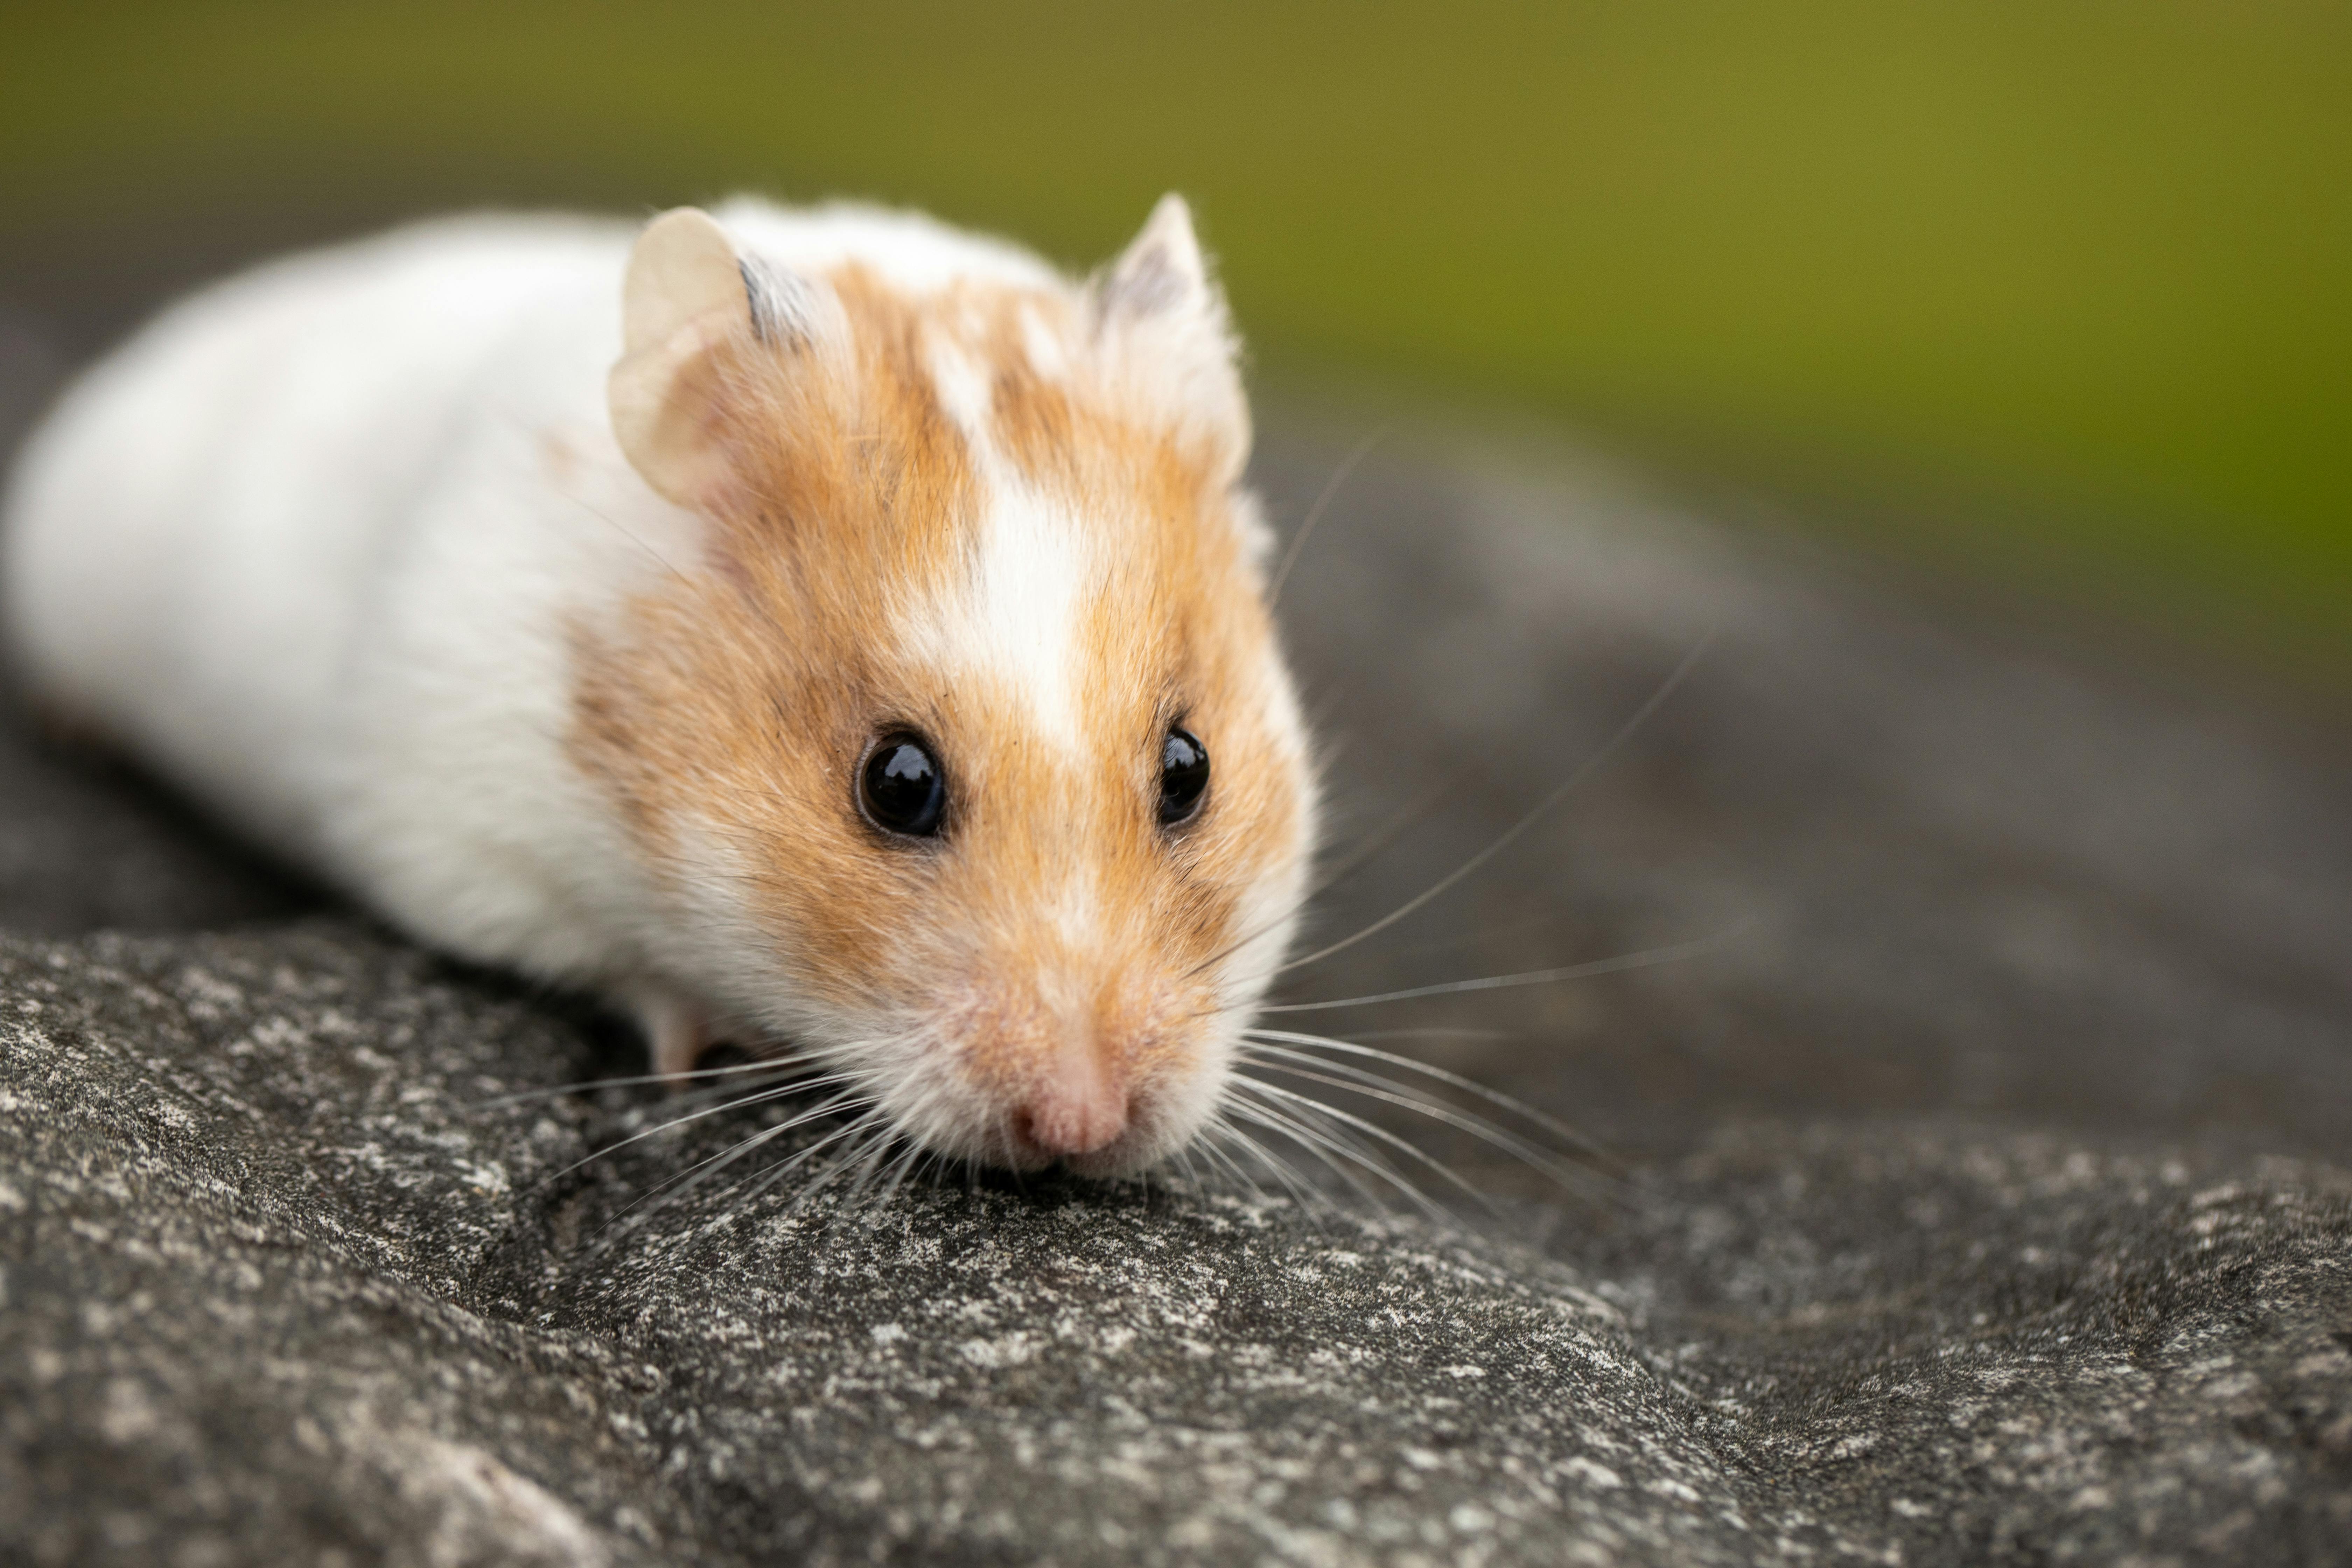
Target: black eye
(1184,775)
(900,788)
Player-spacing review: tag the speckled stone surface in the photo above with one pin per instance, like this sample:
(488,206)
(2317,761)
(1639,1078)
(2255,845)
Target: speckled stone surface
(1987,1204)
(276,1283)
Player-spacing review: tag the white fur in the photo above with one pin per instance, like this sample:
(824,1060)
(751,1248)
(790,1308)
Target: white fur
(961,385)
(296,545)
(1011,620)
(917,254)
(313,542)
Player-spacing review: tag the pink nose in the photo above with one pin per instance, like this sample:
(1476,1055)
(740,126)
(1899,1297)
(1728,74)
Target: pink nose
(1076,1109)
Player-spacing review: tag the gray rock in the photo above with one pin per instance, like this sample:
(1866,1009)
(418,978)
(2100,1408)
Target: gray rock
(1985,1199)
(278,1281)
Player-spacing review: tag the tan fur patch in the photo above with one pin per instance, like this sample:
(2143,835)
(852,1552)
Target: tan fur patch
(734,707)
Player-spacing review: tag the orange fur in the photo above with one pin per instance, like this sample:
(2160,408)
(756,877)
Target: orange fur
(1056,942)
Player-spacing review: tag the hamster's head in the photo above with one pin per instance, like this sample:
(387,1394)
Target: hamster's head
(963,758)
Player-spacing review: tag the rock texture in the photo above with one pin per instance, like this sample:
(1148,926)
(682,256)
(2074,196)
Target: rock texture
(276,1281)
(1986,1198)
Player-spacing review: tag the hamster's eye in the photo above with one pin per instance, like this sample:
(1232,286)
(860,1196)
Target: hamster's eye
(900,789)
(1183,776)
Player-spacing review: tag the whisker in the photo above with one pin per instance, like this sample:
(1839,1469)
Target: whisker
(932,1169)
(765,1064)
(1558,1128)
(1308,1200)
(868,1128)
(781,1092)
(1365,850)
(858,1137)
(1391,828)
(1434,1032)
(598,513)
(1461,936)
(1645,959)
(1322,1145)
(862,1167)
(1478,1127)
(1372,1130)
(890,1184)
(1584,770)
(677,1185)
(1218,1128)
(1315,514)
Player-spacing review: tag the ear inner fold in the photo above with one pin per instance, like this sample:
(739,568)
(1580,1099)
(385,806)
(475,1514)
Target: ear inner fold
(683,296)
(1161,269)
(1162,322)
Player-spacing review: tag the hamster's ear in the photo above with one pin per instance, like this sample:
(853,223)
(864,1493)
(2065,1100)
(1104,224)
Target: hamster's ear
(1161,313)
(688,293)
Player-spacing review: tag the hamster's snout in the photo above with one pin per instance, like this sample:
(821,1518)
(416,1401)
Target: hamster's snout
(1077,1105)
(1101,1077)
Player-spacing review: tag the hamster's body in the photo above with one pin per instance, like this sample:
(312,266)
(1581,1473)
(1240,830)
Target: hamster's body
(296,545)
(366,550)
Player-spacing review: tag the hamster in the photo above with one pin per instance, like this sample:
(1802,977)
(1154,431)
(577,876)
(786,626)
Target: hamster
(819,630)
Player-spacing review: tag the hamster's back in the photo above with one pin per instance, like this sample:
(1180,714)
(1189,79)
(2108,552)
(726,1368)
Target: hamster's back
(192,541)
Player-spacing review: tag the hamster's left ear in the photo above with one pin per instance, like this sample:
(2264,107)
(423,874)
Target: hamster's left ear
(688,298)
(1163,318)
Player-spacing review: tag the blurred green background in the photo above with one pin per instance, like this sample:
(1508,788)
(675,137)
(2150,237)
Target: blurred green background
(2055,293)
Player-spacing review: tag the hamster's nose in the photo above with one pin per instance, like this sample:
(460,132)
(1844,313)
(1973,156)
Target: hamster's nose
(1075,1107)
